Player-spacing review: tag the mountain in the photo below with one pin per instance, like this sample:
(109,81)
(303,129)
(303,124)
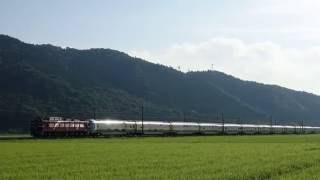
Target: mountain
(49,80)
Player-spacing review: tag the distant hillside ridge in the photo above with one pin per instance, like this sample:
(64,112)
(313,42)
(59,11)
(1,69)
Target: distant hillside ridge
(50,80)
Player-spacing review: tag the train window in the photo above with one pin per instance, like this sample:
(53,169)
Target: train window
(61,125)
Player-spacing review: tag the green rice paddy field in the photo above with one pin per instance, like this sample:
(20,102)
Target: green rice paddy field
(192,157)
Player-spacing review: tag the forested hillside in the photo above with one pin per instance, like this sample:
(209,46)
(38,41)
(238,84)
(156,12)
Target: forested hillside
(49,80)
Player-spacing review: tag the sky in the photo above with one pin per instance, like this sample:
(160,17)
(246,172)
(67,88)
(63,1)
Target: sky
(268,41)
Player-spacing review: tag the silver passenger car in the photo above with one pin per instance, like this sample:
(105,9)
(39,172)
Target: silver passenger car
(185,127)
(127,127)
(210,128)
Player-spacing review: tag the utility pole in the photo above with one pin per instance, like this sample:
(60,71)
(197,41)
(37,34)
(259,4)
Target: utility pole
(240,123)
(238,120)
(199,127)
(302,126)
(222,118)
(142,130)
(271,125)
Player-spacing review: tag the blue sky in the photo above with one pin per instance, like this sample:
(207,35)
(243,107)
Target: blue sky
(116,24)
(148,24)
(269,41)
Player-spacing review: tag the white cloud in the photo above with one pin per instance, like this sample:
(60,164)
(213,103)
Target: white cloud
(265,62)
(287,7)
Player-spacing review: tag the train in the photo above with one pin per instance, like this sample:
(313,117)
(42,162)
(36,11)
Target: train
(58,127)
(68,127)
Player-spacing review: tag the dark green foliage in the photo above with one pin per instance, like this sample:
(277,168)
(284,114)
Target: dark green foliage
(49,80)
(286,105)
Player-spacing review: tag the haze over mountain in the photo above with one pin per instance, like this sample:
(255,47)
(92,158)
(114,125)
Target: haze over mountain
(49,80)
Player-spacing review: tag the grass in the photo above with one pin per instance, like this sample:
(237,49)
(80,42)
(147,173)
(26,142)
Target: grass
(15,136)
(196,157)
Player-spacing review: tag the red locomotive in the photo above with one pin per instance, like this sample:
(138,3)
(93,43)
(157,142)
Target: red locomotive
(58,126)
